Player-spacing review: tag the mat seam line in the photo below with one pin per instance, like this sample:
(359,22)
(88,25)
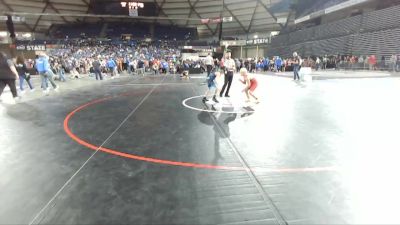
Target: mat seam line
(278,216)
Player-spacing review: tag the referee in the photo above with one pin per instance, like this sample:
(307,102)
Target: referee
(230,67)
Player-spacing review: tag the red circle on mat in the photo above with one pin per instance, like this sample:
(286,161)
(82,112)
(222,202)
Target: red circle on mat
(162,161)
(127,155)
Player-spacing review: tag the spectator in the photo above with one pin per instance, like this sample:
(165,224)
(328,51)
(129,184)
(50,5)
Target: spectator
(43,68)
(382,63)
(8,75)
(393,60)
(111,65)
(141,69)
(325,62)
(238,65)
(278,64)
(361,61)
(265,64)
(97,69)
(372,62)
(296,65)
(23,73)
(317,63)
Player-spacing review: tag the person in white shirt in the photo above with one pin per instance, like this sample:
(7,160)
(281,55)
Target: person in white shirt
(209,61)
(317,63)
(230,67)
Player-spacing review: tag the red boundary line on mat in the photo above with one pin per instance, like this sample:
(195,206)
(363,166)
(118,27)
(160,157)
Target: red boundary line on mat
(161,161)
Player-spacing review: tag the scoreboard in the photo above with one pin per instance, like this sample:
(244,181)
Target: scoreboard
(124,7)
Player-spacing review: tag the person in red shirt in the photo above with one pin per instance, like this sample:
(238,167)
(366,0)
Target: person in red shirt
(372,62)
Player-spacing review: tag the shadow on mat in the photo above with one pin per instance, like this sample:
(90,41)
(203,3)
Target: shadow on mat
(220,123)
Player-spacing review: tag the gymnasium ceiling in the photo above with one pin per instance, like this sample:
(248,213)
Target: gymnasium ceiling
(249,16)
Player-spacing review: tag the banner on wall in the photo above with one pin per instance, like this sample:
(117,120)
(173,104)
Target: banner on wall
(30,47)
(258,41)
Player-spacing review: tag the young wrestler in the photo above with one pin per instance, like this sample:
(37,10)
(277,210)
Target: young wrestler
(212,84)
(251,84)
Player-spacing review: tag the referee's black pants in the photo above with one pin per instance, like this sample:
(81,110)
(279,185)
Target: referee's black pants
(227,83)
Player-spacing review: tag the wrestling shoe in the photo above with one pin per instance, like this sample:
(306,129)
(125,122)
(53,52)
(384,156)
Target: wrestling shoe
(215,100)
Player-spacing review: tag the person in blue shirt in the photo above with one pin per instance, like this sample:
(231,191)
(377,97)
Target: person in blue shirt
(43,66)
(164,66)
(278,64)
(259,66)
(111,65)
(212,85)
(266,64)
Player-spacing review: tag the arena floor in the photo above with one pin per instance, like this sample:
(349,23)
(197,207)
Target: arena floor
(148,151)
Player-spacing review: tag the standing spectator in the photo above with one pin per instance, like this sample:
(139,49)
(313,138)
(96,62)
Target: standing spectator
(317,63)
(324,62)
(23,73)
(111,65)
(383,63)
(398,63)
(361,61)
(284,64)
(230,68)
(97,69)
(8,75)
(393,60)
(127,65)
(296,65)
(247,64)
(278,64)
(238,65)
(372,62)
(266,64)
(253,66)
(120,65)
(353,61)
(43,67)
(272,64)
(140,66)
(209,63)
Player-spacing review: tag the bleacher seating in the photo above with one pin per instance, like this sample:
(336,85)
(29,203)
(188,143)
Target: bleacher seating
(375,32)
(381,19)
(76,30)
(138,31)
(319,5)
(177,33)
(116,29)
